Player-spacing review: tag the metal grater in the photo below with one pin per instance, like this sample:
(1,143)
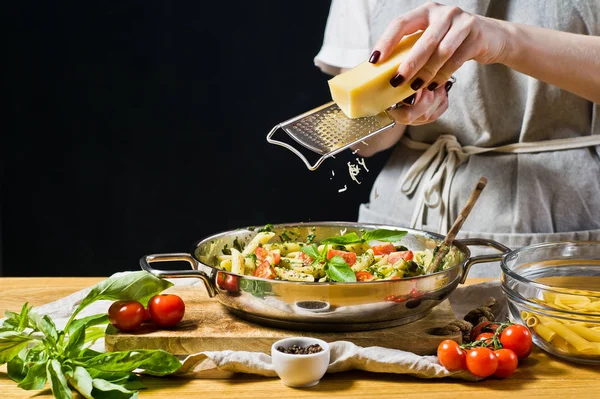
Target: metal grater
(327,131)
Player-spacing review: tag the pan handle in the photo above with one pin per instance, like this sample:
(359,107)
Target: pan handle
(146,260)
(482,258)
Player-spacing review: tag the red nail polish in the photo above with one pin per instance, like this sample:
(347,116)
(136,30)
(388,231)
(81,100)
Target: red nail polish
(432,86)
(374,57)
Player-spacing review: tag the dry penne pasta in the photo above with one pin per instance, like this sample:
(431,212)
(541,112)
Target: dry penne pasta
(544,332)
(580,344)
(531,321)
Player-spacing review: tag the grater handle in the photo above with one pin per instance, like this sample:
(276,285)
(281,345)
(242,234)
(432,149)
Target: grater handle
(294,150)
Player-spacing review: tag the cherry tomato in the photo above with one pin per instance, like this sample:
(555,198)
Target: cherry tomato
(383,249)
(484,326)
(261,253)
(273,256)
(482,362)
(364,276)
(126,315)
(166,310)
(306,260)
(276,255)
(517,338)
(349,257)
(265,270)
(507,363)
(228,282)
(396,256)
(485,336)
(451,355)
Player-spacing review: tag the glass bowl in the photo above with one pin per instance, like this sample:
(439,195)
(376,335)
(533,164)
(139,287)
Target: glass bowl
(554,288)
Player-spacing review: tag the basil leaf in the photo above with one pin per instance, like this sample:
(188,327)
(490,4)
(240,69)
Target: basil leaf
(312,251)
(120,378)
(75,342)
(338,270)
(36,377)
(81,380)
(11,343)
(383,235)
(16,368)
(349,238)
(104,389)
(94,333)
(88,321)
(86,354)
(58,381)
(45,325)
(154,362)
(16,321)
(139,286)
(37,354)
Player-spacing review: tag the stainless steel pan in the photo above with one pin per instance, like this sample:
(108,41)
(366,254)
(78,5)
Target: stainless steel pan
(323,306)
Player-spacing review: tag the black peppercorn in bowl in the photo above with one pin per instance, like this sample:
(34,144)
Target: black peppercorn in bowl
(300,361)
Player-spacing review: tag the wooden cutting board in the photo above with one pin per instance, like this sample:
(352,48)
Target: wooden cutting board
(208,326)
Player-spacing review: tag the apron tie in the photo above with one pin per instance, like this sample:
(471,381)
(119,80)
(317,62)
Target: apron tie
(436,167)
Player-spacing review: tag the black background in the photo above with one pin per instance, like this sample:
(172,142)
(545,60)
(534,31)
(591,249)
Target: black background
(138,127)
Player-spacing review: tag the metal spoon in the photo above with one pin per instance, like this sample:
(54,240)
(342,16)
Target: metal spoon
(444,247)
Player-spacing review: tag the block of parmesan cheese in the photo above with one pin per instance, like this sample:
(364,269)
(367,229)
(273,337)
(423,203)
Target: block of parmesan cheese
(365,90)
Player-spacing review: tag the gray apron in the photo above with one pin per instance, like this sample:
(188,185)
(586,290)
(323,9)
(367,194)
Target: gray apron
(537,145)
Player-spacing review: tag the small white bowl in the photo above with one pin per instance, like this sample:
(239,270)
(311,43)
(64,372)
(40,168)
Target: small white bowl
(300,371)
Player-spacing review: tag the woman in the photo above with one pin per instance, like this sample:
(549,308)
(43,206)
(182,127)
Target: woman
(524,113)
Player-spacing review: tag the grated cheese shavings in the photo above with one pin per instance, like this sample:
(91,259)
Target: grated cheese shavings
(354,170)
(341,190)
(361,161)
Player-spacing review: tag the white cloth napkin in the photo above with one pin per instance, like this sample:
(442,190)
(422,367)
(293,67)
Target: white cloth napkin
(344,355)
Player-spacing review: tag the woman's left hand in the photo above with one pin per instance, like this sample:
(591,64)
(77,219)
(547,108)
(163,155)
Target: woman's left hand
(423,107)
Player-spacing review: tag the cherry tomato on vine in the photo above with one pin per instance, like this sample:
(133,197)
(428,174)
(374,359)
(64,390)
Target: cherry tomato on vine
(507,363)
(484,326)
(451,355)
(126,315)
(485,336)
(481,362)
(166,310)
(517,338)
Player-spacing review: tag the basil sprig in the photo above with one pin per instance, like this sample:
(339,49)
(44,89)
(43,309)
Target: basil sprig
(372,235)
(36,352)
(336,268)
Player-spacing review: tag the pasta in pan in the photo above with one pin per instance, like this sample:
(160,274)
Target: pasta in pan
(373,255)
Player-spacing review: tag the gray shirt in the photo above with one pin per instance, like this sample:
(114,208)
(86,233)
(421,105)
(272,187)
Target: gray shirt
(530,198)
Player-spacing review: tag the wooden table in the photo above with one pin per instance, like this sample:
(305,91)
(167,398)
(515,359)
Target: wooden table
(540,375)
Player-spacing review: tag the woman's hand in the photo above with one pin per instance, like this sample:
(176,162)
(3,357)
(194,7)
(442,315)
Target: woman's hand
(451,37)
(425,106)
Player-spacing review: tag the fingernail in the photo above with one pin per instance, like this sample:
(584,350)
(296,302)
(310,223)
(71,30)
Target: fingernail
(416,84)
(397,80)
(374,57)
(432,86)
(448,86)
(410,100)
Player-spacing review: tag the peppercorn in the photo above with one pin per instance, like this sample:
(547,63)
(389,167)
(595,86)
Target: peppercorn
(301,350)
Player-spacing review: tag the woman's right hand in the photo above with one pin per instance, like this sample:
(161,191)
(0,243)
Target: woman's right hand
(451,37)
